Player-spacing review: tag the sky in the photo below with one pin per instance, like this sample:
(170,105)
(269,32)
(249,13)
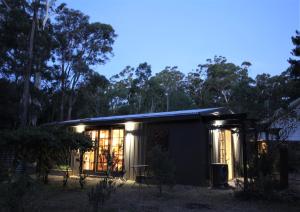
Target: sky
(185,33)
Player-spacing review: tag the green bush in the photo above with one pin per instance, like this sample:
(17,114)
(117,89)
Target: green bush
(47,146)
(162,167)
(12,192)
(101,193)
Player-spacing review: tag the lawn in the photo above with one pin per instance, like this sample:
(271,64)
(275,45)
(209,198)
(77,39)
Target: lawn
(133,197)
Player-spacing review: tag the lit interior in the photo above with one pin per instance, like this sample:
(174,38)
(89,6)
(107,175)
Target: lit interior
(89,157)
(223,149)
(107,141)
(262,147)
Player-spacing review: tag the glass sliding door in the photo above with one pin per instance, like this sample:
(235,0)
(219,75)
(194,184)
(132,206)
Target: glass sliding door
(116,150)
(107,143)
(110,145)
(89,157)
(103,148)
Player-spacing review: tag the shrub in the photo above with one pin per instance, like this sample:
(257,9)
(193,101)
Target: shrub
(47,146)
(101,193)
(162,167)
(12,193)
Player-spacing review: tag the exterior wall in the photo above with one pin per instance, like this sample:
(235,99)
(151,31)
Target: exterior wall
(188,146)
(134,148)
(6,158)
(133,151)
(187,142)
(75,163)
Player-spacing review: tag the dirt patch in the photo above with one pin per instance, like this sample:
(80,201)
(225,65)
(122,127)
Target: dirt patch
(135,197)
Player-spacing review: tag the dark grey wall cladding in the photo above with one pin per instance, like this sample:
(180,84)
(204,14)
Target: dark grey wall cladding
(188,146)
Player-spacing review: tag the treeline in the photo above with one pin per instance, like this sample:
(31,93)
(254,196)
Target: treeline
(46,73)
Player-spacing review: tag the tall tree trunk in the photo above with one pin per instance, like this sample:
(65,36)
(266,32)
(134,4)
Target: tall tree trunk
(62,101)
(168,102)
(152,105)
(62,97)
(27,73)
(70,107)
(139,102)
(6,5)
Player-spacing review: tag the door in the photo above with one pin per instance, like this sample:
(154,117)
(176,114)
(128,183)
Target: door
(103,148)
(229,157)
(89,157)
(225,153)
(110,147)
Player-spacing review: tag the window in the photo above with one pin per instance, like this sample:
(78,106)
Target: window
(103,149)
(109,143)
(89,157)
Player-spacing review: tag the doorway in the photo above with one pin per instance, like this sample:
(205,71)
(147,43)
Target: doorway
(108,144)
(222,149)
(111,143)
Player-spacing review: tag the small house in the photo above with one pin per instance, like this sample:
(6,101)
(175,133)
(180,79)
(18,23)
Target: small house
(195,139)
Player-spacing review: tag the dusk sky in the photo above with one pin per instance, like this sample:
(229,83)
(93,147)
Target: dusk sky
(185,33)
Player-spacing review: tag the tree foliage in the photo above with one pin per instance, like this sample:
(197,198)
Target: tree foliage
(63,84)
(47,146)
(162,167)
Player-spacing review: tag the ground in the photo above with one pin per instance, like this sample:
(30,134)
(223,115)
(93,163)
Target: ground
(133,197)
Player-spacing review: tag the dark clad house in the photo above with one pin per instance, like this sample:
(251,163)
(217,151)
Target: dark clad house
(195,139)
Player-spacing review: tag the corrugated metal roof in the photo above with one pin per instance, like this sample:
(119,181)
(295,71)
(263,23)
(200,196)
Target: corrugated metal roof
(194,112)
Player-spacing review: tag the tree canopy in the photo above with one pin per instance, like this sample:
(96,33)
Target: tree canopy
(47,56)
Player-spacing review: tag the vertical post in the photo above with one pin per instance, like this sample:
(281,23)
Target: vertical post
(243,132)
(284,177)
(256,150)
(208,154)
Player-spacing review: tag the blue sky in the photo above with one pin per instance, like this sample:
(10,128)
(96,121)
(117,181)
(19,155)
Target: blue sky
(187,32)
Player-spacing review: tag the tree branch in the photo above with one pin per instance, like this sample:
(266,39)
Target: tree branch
(6,5)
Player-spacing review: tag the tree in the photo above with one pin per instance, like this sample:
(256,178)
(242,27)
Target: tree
(119,91)
(9,96)
(80,44)
(93,90)
(295,64)
(143,74)
(171,80)
(25,48)
(162,167)
(46,146)
(195,87)
(220,77)
(155,96)
(243,92)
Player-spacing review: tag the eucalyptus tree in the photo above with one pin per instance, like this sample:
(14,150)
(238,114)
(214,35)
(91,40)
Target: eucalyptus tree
(295,63)
(171,81)
(194,82)
(143,74)
(119,91)
(154,98)
(23,50)
(80,44)
(129,89)
(274,92)
(220,76)
(293,72)
(94,91)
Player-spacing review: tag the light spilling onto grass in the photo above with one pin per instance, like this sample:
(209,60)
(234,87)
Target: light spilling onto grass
(79,128)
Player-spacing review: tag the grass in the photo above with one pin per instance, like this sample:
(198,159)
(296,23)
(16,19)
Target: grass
(132,197)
